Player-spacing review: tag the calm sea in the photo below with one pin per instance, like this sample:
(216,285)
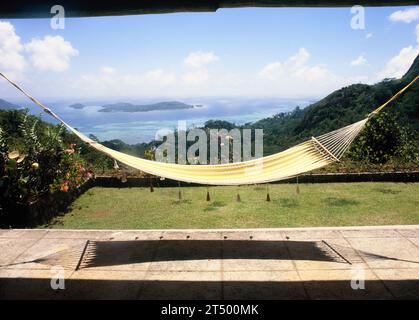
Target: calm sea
(142,126)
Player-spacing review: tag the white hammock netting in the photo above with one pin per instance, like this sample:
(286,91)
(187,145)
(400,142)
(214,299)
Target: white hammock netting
(313,154)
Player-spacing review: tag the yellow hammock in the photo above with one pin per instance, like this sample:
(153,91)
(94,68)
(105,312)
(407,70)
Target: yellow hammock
(309,155)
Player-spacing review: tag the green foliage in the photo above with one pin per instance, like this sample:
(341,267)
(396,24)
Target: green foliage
(279,130)
(219,124)
(149,154)
(383,139)
(35,160)
(95,160)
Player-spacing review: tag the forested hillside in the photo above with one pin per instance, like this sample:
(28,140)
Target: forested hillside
(340,108)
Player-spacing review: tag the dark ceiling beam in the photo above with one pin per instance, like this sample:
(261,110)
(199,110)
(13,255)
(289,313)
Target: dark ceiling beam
(86,8)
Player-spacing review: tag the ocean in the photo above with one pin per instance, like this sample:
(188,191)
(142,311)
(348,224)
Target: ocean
(142,126)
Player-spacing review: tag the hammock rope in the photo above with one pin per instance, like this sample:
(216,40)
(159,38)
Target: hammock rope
(312,154)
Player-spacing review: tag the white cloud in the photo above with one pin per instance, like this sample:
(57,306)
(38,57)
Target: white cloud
(296,76)
(196,77)
(149,79)
(314,73)
(300,58)
(108,81)
(406,16)
(52,53)
(360,61)
(199,59)
(398,65)
(11,59)
(294,67)
(369,35)
(159,77)
(109,71)
(272,71)
(127,84)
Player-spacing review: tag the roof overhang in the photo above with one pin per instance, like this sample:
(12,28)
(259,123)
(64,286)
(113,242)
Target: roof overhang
(90,8)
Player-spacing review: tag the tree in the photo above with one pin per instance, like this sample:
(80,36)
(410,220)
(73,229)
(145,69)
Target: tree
(383,139)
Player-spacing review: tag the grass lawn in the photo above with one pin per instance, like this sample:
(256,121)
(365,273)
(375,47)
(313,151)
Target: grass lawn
(331,204)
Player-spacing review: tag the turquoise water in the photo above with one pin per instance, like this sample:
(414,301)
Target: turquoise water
(142,126)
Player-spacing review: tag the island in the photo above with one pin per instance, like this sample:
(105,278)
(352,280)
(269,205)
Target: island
(5,105)
(77,106)
(129,107)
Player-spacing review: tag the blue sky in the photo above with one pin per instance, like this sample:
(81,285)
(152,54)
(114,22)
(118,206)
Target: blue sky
(289,53)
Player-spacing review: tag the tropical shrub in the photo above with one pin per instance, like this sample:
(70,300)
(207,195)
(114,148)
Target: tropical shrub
(36,162)
(384,139)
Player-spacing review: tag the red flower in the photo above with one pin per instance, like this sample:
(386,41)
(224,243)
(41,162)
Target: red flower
(64,186)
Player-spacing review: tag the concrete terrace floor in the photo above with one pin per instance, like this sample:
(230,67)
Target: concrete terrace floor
(305,263)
